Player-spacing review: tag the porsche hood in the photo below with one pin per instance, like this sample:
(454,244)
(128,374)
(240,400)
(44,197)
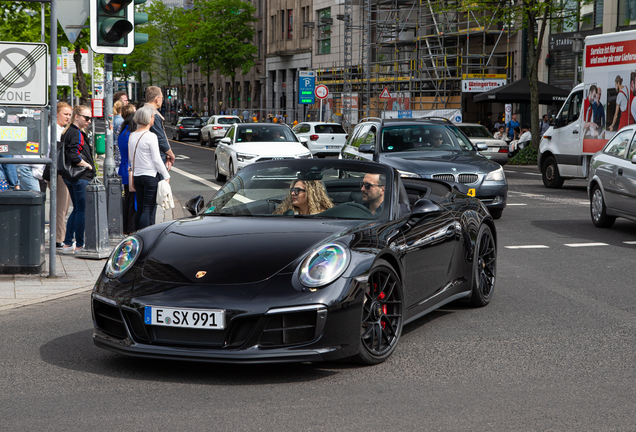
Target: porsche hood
(233,250)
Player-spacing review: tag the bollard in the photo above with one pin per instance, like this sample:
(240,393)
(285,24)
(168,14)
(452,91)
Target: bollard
(96,232)
(115,205)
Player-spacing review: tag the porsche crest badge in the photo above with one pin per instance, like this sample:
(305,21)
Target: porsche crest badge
(200,274)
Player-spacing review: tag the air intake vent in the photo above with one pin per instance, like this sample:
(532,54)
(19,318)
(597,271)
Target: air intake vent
(289,329)
(109,319)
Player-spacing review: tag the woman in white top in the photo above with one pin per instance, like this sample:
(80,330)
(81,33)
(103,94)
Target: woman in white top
(146,163)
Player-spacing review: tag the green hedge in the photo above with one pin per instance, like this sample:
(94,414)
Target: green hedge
(527,156)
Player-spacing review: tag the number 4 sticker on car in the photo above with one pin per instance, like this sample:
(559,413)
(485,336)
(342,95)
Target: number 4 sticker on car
(471,192)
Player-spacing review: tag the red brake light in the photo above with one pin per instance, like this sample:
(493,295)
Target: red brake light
(217,127)
(313,137)
(503,150)
(180,127)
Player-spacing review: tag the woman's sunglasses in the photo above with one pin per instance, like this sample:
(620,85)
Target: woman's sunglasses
(297,190)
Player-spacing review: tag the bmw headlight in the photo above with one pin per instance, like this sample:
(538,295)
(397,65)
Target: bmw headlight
(123,257)
(406,174)
(496,175)
(242,157)
(324,265)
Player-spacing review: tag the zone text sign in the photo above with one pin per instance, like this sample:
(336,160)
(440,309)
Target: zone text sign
(23,74)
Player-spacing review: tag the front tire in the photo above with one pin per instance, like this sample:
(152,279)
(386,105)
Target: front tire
(381,325)
(550,174)
(217,174)
(484,268)
(598,210)
(231,169)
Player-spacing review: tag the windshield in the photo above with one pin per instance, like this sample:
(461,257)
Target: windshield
(264,133)
(331,189)
(330,129)
(227,120)
(475,131)
(422,138)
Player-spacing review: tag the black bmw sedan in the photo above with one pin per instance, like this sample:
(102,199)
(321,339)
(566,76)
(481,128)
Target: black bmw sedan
(430,148)
(253,278)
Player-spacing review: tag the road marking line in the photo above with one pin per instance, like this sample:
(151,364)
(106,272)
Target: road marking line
(525,194)
(534,174)
(528,247)
(209,184)
(584,202)
(630,242)
(191,145)
(196,178)
(516,204)
(585,244)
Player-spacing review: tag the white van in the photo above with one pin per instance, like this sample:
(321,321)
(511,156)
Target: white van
(595,109)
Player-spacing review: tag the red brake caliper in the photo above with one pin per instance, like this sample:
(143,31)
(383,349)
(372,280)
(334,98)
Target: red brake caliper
(381,297)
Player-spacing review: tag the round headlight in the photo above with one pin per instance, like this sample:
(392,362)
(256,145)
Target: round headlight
(324,265)
(123,257)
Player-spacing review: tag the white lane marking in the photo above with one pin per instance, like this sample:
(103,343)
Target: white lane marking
(528,247)
(584,202)
(630,242)
(196,178)
(182,157)
(524,194)
(208,184)
(515,204)
(534,174)
(585,244)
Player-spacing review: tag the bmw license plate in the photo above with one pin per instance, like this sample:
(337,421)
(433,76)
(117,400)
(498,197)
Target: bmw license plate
(208,319)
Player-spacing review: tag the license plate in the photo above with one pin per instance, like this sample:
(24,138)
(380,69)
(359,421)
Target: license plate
(193,133)
(332,147)
(208,319)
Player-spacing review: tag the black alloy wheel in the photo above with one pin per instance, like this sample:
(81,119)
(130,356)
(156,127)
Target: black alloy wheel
(217,174)
(550,174)
(598,210)
(381,315)
(484,268)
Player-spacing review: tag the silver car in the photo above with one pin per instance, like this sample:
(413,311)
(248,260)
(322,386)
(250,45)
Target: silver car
(612,185)
(476,133)
(216,127)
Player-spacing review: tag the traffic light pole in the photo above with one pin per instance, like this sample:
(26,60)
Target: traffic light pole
(109,163)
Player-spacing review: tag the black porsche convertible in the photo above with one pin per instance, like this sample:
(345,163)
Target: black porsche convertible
(244,281)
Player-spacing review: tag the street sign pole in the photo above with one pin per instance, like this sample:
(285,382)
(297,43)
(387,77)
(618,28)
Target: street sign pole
(109,162)
(53,141)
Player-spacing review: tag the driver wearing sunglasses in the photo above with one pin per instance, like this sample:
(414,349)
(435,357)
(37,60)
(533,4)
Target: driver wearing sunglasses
(372,187)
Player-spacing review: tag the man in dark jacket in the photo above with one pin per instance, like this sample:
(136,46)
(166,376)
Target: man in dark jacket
(154,98)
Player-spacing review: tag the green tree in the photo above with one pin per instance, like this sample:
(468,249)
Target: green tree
(221,37)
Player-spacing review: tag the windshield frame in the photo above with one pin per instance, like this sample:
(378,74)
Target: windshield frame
(256,172)
(263,130)
(451,134)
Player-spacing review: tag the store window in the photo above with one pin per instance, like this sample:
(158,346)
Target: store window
(324,32)
(626,13)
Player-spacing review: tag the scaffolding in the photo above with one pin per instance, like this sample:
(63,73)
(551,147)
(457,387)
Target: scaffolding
(420,50)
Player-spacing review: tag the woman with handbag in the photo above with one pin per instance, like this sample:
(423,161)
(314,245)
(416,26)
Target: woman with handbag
(127,127)
(146,165)
(77,168)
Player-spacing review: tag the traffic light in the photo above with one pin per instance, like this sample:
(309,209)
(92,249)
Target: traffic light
(113,26)
(124,63)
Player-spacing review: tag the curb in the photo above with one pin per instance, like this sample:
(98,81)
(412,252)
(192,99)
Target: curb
(45,299)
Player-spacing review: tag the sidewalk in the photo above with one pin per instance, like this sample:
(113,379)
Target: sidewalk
(74,275)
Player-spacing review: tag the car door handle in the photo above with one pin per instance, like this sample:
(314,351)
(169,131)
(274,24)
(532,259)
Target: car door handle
(575,132)
(620,171)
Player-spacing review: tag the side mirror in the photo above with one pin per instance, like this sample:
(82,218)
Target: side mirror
(424,207)
(558,122)
(194,205)
(366,148)
(303,140)
(634,159)
(227,141)
(481,146)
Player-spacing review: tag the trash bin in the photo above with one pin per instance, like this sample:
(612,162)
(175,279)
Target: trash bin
(100,143)
(22,232)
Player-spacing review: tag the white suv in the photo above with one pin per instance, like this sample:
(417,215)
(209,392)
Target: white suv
(216,127)
(324,139)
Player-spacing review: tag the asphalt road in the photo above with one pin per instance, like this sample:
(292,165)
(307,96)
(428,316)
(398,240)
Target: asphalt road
(553,351)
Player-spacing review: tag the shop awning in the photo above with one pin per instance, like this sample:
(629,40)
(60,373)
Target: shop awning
(519,92)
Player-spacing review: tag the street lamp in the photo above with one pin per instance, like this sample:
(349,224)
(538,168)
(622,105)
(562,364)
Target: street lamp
(577,48)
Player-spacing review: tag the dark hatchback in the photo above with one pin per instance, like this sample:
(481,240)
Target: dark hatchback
(432,148)
(187,128)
